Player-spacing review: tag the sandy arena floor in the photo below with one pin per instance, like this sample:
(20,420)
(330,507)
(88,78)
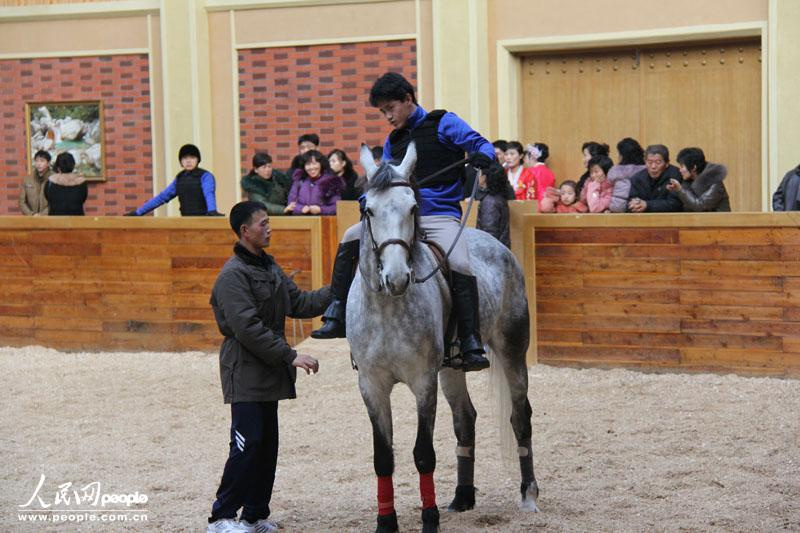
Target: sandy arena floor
(614,450)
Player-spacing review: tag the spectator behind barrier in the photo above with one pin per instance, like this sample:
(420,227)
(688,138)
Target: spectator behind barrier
(598,190)
(590,149)
(315,190)
(266,185)
(787,196)
(66,191)
(342,166)
(500,147)
(493,214)
(32,201)
(702,188)
(195,188)
(649,191)
(537,177)
(631,161)
(563,199)
(514,167)
(306,142)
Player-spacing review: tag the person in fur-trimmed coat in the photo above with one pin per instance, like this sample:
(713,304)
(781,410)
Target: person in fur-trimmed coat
(703,188)
(787,196)
(315,189)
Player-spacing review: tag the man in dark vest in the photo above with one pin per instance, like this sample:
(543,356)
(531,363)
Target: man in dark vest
(195,188)
(441,139)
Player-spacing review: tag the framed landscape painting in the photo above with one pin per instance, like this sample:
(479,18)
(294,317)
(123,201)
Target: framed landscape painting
(74,127)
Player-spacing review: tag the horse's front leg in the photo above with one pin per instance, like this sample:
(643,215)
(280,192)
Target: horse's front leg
(425,389)
(376,394)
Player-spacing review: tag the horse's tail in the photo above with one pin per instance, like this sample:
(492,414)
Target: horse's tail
(501,401)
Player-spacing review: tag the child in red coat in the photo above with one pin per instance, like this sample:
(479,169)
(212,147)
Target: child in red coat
(562,200)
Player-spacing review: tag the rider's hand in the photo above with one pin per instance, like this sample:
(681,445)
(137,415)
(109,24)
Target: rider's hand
(307,363)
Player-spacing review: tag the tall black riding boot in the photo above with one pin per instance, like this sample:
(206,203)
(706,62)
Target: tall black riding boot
(344,267)
(465,306)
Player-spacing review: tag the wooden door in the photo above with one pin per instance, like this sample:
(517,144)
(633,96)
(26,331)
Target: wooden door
(706,95)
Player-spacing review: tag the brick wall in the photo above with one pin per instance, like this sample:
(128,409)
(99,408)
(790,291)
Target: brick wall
(285,92)
(122,83)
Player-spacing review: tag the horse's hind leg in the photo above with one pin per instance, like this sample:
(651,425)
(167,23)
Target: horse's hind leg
(454,386)
(512,358)
(425,389)
(376,397)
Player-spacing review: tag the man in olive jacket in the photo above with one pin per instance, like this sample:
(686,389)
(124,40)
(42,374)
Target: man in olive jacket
(251,299)
(32,201)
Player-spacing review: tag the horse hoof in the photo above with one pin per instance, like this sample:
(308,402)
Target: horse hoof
(464,500)
(430,520)
(530,493)
(387,523)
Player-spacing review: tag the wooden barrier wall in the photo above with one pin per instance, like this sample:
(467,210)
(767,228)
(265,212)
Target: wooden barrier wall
(703,291)
(112,283)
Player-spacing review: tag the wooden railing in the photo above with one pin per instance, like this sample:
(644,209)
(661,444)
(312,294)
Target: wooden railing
(112,283)
(702,291)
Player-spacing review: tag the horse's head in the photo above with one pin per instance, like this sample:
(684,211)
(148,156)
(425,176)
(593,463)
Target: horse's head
(391,218)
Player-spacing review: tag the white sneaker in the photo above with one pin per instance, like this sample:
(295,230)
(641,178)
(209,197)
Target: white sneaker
(262,526)
(229,525)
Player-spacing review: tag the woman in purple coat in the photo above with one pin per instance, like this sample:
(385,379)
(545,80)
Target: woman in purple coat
(315,189)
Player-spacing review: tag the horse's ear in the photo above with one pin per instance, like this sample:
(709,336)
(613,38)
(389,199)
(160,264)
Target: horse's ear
(407,166)
(365,156)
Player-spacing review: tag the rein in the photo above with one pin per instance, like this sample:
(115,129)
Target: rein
(377,249)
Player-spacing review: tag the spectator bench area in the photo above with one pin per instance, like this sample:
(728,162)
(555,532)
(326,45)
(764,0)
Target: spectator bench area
(706,291)
(717,292)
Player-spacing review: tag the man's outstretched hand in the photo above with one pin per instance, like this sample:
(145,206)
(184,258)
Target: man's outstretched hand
(307,363)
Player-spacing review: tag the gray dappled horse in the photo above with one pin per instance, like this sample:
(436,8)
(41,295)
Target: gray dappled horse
(396,327)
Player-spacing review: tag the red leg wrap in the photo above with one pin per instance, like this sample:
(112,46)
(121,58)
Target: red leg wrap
(385,495)
(426,490)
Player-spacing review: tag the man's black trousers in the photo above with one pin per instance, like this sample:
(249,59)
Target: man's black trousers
(250,469)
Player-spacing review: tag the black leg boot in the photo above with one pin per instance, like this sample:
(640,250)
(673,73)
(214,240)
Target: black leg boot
(344,267)
(465,306)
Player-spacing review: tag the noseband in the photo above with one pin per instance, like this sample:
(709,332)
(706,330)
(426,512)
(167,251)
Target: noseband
(377,249)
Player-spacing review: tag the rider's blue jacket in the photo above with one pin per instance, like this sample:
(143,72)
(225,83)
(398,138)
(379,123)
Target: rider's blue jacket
(453,133)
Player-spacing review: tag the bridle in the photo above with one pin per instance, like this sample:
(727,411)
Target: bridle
(377,249)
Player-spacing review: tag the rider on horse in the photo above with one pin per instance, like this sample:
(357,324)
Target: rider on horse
(441,139)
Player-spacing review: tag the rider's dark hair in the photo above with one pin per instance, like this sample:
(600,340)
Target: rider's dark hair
(630,152)
(242,214)
(693,159)
(390,86)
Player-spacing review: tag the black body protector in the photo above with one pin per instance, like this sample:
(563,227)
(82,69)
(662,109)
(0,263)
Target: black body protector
(190,193)
(432,155)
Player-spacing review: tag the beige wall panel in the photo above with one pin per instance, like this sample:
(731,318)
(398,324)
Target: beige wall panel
(57,36)
(325,22)
(425,72)
(223,101)
(523,18)
(569,99)
(787,89)
(157,106)
(709,97)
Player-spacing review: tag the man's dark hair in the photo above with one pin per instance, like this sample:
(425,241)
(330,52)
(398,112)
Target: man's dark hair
(602,161)
(261,159)
(242,214)
(65,163)
(313,138)
(630,152)
(658,149)
(515,145)
(318,156)
(390,86)
(595,148)
(693,159)
(500,144)
(377,152)
(44,154)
